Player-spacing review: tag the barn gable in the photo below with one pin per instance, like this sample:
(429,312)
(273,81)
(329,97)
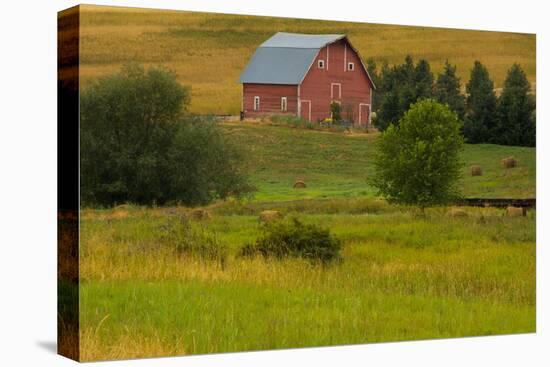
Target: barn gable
(286,58)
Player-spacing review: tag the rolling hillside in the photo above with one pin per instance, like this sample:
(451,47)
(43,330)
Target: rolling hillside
(338,165)
(209,51)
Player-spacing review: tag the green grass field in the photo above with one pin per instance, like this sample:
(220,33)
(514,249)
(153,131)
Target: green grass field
(209,51)
(402,277)
(338,165)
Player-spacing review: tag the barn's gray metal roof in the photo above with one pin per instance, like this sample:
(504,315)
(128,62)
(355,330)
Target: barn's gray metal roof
(278,65)
(285,58)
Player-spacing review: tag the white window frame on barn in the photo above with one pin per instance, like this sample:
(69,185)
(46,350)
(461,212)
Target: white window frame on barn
(321,64)
(256,103)
(351,66)
(284,104)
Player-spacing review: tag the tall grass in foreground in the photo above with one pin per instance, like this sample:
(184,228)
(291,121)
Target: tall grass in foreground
(401,277)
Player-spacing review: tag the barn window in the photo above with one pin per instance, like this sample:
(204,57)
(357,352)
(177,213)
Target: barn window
(351,66)
(321,64)
(256,103)
(283,104)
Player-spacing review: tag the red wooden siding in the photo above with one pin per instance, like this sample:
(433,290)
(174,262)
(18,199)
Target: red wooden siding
(270,99)
(336,82)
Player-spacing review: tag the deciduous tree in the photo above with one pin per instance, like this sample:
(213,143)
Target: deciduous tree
(417,162)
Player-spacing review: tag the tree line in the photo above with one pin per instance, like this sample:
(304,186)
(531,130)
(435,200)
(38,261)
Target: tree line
(507,119)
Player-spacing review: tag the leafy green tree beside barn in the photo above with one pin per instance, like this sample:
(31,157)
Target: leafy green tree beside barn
(417,161)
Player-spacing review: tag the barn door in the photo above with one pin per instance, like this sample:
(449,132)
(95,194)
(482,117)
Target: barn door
(305,110)
(335,91)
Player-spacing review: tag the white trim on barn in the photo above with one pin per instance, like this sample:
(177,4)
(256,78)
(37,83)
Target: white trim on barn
(364,104)
(327,55)
(298,102)
(345,55)
(370,112)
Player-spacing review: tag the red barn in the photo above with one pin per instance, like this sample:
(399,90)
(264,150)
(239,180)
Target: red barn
(302,74)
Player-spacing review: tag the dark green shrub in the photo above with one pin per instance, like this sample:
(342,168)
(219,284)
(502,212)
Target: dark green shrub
(296,239)
(336,111)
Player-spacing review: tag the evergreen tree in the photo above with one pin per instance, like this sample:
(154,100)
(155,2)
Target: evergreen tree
(480,119)
(396,93)
(388,110)
(423,80)
(407,70)
(447,90)
(400,87)
(515,111)
(404,87)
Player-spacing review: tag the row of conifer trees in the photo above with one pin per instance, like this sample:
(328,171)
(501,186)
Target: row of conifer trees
(507,119)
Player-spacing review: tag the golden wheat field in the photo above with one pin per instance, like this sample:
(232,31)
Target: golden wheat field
(208,51)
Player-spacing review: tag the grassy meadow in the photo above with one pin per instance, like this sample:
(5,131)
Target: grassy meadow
(401,276)
(209,51)
(339,164)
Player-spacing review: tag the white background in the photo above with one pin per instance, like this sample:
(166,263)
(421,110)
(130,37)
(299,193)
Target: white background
(28,183)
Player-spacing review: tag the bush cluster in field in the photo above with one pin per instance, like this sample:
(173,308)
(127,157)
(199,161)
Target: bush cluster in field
(191,240)
(293,238)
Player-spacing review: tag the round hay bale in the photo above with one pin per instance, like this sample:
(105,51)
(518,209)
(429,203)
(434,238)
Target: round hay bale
(476,171)
(509,162)
(270,215)
(457,213)
(299,185)
(513,211)
(199,214)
